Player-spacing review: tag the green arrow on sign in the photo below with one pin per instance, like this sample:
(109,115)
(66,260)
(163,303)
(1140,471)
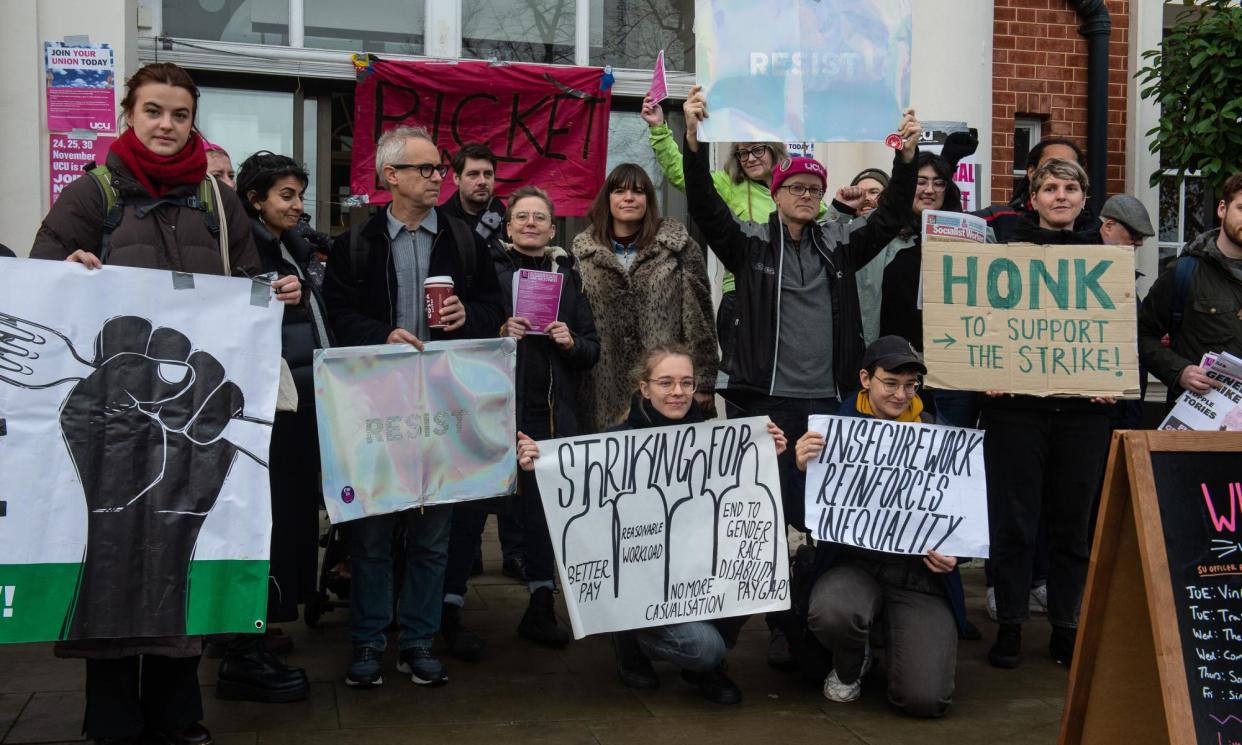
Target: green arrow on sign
(947,341)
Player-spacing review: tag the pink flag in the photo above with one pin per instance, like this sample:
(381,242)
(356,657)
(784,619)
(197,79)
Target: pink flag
(659,84)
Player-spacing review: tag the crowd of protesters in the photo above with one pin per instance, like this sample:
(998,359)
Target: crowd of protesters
(820,316)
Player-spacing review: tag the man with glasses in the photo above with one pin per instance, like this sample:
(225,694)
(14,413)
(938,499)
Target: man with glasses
(374,291)
(800,335)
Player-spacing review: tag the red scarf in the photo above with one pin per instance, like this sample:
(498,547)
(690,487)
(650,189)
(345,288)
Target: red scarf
(160,174)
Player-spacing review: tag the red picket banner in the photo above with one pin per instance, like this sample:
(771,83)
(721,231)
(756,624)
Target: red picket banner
(548,126)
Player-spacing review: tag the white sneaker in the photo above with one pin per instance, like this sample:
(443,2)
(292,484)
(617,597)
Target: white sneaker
(992,603)
(835,690)
(1039,599)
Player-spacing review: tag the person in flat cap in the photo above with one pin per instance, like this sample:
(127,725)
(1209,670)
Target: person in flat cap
(1124,221)
(917,597)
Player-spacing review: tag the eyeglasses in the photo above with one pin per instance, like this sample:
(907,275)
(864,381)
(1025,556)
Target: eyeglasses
(539,218)
(424,169)
(800,190)
(938,184)
(754,151)
(892,386)
(666,385)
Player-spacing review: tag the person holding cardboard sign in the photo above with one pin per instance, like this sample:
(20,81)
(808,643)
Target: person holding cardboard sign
(665,378)
(799,339)
(918,595)
(1044,457)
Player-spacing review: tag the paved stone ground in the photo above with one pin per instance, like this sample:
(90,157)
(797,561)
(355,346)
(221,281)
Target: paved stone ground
(523,694)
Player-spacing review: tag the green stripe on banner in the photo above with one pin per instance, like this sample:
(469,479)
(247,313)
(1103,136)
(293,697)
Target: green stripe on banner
(225,596)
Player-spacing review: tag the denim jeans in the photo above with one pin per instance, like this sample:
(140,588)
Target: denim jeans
(422,587)
(695,646)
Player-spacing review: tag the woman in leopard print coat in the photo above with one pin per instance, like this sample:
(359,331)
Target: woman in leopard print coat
(647,282)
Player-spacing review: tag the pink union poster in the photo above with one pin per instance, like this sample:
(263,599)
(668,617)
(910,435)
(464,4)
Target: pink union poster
(80,87)
(69,155)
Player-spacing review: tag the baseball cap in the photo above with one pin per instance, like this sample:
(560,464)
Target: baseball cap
(1130,212)
(891,352)
(794,166)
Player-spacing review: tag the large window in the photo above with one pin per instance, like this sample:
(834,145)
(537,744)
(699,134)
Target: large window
(621,33)
(519,30)
(630,33)
(377,26)
(245,21)
(1186,210)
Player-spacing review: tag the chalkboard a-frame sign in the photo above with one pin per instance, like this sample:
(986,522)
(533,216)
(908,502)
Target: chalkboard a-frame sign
(1159,654)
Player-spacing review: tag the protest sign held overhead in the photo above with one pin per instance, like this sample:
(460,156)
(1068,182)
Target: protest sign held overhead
(1038,320)
(805,70)
(400,429)
(136,410)
(546,125)
(898,487)
(666,525)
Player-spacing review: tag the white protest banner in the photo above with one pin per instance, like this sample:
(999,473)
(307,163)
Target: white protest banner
(1218,410)
(399,428)
(1038,320)
(802,70)
(135,416)
(666,525)
(898,487)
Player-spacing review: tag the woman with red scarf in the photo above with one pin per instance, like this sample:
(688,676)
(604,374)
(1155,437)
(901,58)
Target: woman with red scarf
(146,689)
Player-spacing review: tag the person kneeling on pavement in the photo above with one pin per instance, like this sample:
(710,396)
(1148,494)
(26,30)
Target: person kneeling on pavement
(666,383)
(856,588)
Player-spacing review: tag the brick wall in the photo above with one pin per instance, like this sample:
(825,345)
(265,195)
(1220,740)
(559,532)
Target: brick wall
(1039,71)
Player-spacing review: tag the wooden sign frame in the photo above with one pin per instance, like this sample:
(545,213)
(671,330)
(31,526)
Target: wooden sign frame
(1128,679)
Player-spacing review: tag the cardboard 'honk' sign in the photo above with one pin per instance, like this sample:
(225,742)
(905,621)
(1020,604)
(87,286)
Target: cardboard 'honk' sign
(1039,320)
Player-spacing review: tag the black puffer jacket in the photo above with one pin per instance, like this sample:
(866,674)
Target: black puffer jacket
(560,369)
(753,253)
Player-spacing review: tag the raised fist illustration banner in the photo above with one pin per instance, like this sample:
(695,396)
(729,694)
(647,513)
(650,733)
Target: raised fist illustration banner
(144,424)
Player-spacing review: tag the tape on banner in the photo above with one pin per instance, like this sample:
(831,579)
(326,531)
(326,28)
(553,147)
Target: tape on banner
(183,281)
(260,293)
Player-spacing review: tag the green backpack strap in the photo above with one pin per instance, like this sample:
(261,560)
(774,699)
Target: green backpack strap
(114,207)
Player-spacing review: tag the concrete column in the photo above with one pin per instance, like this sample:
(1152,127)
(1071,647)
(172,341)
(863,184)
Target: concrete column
(24,26)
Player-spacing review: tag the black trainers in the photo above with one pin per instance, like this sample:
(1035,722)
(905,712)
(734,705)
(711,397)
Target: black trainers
(1008,647)
(714,685)
(1061,645)
(250,672)
(365,671)
(539,622)
(633,667)
(462,643)
(422,666)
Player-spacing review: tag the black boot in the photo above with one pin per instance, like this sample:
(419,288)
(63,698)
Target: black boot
(1061,645)
(1008,647)
(249,672)
(195,734)
(462,643)
(633,667)
(539,622)
(714,685)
